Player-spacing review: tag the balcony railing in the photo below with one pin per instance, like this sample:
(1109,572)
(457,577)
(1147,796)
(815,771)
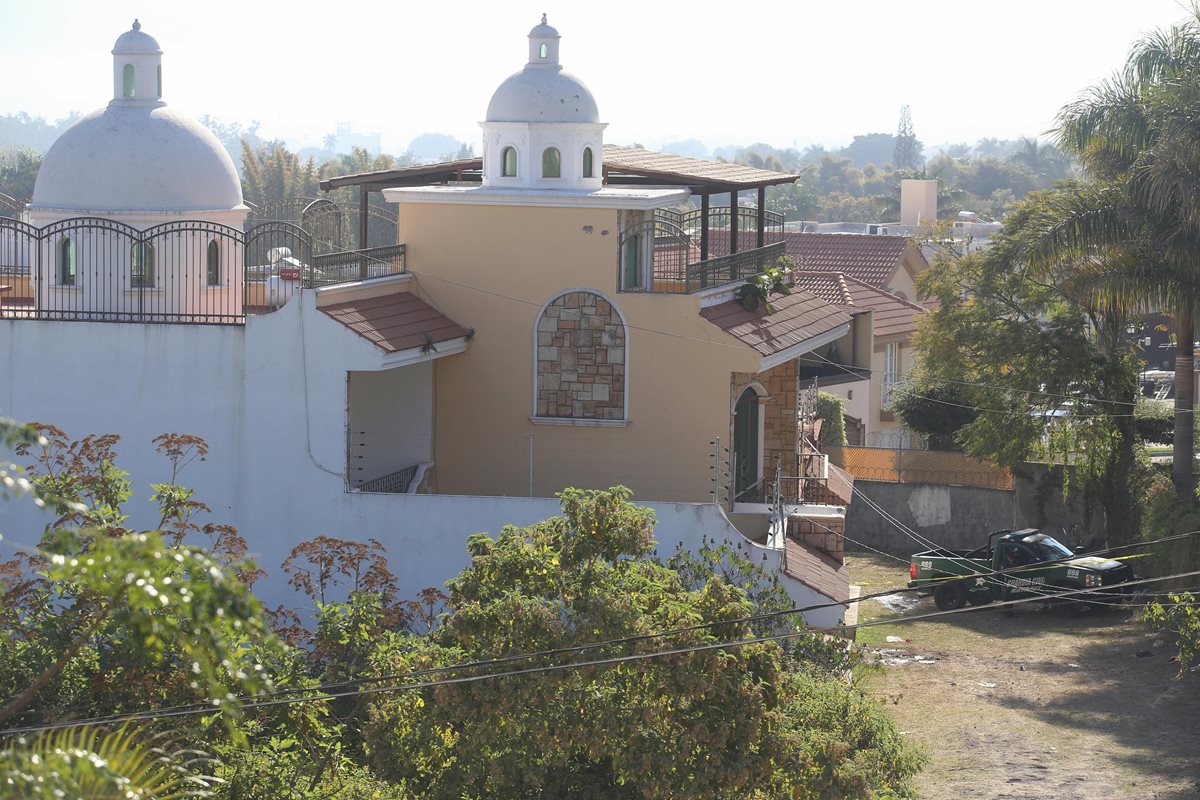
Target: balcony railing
(733,267)
(394,483)
(191,271)
(358,265)
(664,254)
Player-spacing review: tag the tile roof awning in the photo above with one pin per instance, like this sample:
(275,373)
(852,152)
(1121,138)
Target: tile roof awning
(398,323)
(893,315)
(622,165)
(800,322)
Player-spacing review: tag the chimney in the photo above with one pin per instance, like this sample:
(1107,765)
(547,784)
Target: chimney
(918,202)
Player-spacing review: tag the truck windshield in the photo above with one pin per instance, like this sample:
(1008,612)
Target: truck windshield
(1046,548)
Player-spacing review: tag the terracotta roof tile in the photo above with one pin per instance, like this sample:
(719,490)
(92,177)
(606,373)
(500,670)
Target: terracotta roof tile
(700,170)
(797,317)
(818,570)
(870,258)
(829,286)
(395,322)
(892,315)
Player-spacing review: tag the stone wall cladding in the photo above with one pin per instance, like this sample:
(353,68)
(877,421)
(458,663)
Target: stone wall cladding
(581,359)
(779,414)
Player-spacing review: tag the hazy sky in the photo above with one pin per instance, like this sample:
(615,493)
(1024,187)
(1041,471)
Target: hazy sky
(793,72)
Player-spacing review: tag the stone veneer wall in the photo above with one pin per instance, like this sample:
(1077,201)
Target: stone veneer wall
(779,414)
(581,359)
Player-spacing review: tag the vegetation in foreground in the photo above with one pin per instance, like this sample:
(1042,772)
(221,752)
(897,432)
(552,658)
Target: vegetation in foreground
(101,619)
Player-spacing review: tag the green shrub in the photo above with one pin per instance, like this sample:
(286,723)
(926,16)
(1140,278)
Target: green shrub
(832,410)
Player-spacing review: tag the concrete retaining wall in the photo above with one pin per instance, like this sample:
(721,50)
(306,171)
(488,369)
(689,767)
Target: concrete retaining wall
(961,516)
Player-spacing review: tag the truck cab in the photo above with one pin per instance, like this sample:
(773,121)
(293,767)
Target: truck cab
(1012,565)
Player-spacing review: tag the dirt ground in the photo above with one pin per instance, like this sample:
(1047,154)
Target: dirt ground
(1037,705)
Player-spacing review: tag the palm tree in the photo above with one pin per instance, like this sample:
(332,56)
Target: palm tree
(1131,134)
(86,762)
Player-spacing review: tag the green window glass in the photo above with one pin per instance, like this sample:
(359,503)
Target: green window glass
(214,264)
(587,162)
(509,157)
(543,51)
(629,259)
(128,79)
(551,163)
(142,274)
(66,264)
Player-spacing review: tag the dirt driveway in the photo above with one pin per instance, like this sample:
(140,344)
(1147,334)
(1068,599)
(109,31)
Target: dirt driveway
(1037,705)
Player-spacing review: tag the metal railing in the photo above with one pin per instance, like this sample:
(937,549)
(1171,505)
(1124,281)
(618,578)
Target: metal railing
(358,265)
(735,267)
(663,254)
(394,483)
(190,271)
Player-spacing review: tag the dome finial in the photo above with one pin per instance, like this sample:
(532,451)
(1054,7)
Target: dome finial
(137,26)
(544,18)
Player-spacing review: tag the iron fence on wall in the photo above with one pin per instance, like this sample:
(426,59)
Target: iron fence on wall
(190,271)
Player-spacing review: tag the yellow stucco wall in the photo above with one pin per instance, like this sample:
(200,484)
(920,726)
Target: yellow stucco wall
(492,268)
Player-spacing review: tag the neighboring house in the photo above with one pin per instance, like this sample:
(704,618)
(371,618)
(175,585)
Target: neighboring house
(864,272)
(548,318)
(890,263)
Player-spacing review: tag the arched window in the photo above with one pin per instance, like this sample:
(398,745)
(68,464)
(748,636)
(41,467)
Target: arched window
(128,76)
(213,264)
(66,263)
(543,51)
(587,162)
(509,158)
(551,163)
(159,76)
(580,354)
(142,273)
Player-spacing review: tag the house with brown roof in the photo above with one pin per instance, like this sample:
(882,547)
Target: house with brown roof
(867,392)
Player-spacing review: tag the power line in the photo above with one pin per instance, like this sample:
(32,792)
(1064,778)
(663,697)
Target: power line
(407,687)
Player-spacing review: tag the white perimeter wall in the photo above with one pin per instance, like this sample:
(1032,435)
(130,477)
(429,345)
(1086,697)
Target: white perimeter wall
(270,399)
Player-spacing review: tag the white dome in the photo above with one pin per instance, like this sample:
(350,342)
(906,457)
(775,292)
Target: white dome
(542,95)
(134,41)
(137,158)
(542,92)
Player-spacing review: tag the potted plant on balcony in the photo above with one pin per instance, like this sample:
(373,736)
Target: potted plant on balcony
(757,291)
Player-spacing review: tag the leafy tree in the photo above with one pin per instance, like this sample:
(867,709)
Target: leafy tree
(1135,135)
(1046,365)
(907,154)
(99,617)
(744,722)
(271,173)
(937,412)
(18,173)
(832,411)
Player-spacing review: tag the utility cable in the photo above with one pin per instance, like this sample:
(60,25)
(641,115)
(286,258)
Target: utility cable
(407,687)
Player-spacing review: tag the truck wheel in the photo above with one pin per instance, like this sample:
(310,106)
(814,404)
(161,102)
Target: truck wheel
(950,596)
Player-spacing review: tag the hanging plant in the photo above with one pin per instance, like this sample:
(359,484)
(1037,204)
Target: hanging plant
(757,291)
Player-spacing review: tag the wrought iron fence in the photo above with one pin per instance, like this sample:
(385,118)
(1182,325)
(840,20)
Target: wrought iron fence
(190,271)
(358,265)
(334,227)
(735,267)
(919,466)
(663,254)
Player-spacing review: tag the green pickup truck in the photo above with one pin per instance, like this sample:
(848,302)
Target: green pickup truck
(1034,564)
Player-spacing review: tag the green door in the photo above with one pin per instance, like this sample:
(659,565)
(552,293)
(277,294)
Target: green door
(745,443)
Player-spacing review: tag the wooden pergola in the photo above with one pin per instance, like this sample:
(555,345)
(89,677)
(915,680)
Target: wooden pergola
(623,166)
